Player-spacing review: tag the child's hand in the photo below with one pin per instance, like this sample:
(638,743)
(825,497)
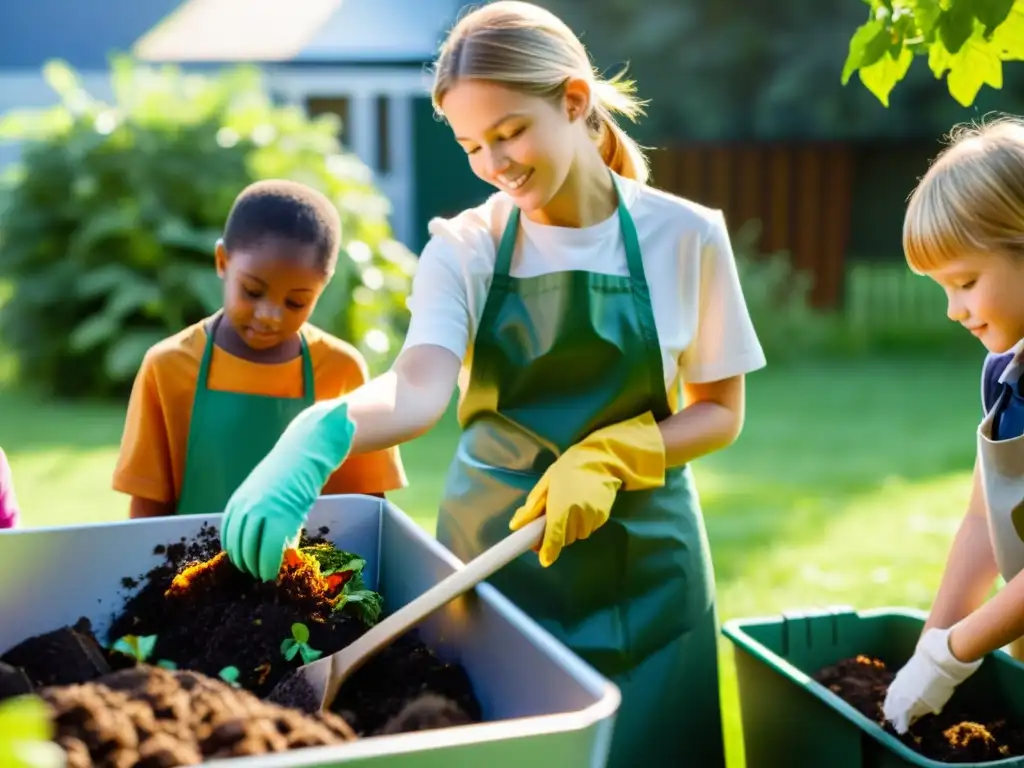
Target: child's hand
(265,515)
(926,682)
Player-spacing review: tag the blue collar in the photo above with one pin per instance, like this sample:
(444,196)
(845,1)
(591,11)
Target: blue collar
(1014,372)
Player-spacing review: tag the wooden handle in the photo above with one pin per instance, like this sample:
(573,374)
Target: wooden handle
(464,579)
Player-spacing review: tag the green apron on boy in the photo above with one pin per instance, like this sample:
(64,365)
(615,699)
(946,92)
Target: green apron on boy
(231,432)
(556,357)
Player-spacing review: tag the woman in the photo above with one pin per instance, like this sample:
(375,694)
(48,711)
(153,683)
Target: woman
(573,301)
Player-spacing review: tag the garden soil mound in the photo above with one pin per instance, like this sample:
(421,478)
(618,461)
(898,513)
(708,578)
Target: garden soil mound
(148,717)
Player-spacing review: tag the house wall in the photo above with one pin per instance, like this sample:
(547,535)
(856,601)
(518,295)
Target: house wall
(445,183)
(370,128)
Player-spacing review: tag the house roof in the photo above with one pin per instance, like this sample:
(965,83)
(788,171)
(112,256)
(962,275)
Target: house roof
(310,31)
(215,31)
(395,30)
(82,33)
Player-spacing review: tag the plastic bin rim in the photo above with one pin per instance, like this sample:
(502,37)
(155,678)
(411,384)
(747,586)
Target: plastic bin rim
(440,738)
(735,630)
(416,741)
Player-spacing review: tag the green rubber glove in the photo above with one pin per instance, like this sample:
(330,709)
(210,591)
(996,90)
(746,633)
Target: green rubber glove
(266,513)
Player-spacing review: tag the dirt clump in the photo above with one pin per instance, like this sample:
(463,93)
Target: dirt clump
(961,733)
(156,718)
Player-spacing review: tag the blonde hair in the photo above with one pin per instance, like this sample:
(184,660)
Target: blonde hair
(529,49)
(972,197)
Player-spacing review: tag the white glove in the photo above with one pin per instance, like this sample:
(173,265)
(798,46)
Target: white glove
(926,682)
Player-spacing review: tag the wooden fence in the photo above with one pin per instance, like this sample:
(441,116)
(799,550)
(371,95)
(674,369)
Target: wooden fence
(801,193)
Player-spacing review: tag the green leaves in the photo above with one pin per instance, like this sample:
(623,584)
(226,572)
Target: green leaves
(365,604)
(867,45)
(974,65)
(355,598)
(298,644)
(992,13)
(230,675)
(956,25)
(110,220)
(139,647)
(334,560)
(968,39)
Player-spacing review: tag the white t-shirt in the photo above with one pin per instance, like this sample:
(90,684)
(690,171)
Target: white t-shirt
(704,328)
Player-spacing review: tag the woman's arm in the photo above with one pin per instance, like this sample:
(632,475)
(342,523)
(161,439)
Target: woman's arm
(711,419)
(970,567)
(405,402)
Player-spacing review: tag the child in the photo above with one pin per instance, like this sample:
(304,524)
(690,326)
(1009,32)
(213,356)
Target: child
(209,402)
(8,501)
(964,229)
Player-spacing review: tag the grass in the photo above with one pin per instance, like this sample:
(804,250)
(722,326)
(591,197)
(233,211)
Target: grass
(845,488)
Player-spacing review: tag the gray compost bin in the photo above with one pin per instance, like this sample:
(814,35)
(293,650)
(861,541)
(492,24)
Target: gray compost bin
(542,705)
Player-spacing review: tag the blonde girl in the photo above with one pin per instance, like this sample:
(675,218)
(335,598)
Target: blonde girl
(965,229)
(567,307)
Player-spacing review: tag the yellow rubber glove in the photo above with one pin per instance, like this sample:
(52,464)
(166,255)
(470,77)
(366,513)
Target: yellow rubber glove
(578,489)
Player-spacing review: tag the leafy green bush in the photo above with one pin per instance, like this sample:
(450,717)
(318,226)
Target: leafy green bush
(888,310)
(108,223)
(778,298)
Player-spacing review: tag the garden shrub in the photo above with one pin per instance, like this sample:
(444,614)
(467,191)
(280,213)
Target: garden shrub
(108,222)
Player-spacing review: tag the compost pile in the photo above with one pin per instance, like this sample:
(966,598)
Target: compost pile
(195,651)
(959,734)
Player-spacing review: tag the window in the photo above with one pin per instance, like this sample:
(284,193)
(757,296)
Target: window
(334,105)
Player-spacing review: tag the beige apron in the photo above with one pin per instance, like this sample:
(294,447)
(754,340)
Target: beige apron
(1002,475)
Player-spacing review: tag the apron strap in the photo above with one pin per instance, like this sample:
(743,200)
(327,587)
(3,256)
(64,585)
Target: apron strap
(644,309)
(507,247)
(1001,404)
(1008,382)
(502,264)
(308,382)
(204,363)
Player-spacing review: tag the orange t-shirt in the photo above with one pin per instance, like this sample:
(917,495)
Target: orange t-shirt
(152,459)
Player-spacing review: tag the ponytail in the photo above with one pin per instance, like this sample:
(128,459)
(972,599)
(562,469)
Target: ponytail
(619,151)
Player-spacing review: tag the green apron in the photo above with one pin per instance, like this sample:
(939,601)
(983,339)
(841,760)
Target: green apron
(556,357)
(231,432)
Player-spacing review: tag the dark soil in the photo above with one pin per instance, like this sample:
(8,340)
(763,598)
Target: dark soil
(208,616)
(64,656)
(959,734)
(399,675)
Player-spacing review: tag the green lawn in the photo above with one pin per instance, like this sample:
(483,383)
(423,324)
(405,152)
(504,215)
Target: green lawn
(846,486)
